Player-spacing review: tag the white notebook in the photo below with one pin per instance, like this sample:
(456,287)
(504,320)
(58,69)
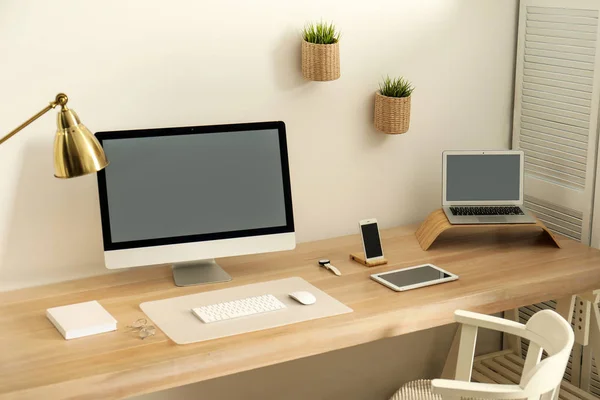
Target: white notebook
(82,319)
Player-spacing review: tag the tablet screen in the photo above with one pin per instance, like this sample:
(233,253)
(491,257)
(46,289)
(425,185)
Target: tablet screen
(414,276)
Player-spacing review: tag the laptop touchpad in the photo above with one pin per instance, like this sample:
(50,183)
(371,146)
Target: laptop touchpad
(492,220)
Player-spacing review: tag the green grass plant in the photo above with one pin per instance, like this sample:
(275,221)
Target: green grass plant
(321,33)
(397,87)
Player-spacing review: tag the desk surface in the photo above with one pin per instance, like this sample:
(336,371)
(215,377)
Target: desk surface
(498,270)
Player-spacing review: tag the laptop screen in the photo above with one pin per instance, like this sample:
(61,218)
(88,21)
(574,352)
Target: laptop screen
(483,177)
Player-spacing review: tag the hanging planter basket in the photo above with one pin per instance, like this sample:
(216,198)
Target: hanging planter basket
(392,114)
(320,62)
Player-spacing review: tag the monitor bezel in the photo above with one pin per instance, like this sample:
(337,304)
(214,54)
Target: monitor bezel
(109,245)
(445,155)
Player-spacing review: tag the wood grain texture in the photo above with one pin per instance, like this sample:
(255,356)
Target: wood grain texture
(498,271)
(437,223)
(359,257)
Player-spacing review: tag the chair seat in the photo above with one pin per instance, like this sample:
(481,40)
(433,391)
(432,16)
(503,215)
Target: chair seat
(416,390)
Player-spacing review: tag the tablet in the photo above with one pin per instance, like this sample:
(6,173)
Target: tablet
(414,277)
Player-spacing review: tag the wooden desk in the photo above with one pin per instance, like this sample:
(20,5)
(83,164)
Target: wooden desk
(498,270)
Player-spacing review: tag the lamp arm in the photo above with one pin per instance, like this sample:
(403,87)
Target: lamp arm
(60,100)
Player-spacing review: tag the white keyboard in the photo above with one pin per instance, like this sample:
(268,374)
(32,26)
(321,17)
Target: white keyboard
(238,308)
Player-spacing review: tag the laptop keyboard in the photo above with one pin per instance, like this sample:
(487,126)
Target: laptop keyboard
(496,210)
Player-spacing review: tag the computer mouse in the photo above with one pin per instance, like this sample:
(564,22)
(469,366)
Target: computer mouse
(305,298)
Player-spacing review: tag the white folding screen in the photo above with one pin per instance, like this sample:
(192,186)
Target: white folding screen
(557,95)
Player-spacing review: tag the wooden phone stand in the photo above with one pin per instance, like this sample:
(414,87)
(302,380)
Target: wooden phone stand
(437,222)
(360,258)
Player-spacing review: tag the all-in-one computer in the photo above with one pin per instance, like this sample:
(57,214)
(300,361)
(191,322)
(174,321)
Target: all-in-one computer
(185,196)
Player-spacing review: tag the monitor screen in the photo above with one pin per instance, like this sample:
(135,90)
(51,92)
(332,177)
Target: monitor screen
(483,177)
(178,185)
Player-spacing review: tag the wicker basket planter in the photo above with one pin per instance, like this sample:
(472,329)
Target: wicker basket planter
(392,114)
(320,62)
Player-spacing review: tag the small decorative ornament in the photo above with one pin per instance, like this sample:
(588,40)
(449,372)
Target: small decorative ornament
(142,327)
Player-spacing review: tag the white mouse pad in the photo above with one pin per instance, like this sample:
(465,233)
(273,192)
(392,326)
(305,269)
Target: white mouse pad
(174,316)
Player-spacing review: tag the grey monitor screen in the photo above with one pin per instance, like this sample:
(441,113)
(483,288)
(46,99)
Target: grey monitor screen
(182,185)
(483,177)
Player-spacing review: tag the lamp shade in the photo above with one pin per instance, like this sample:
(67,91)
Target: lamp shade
(77,152)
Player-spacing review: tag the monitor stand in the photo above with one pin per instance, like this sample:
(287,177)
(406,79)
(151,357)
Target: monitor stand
(198,273)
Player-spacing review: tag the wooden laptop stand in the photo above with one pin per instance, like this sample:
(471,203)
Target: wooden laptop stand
(437,222)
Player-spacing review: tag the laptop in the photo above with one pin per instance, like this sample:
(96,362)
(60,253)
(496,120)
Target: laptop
(484,187)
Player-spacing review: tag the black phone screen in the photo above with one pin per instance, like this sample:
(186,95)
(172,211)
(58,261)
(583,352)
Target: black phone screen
(371,239)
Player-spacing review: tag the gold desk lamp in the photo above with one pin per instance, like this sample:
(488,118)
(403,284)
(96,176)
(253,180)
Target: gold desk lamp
(77,152)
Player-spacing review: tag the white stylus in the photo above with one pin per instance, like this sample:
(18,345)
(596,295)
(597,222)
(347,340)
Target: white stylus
(327,264)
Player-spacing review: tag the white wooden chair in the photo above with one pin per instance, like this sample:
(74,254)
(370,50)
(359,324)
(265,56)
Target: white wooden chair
(546,330)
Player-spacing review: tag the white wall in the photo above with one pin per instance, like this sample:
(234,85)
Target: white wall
(135,64)
(151,63)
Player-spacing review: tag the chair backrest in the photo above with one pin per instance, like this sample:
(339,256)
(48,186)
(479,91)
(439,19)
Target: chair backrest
(546,330)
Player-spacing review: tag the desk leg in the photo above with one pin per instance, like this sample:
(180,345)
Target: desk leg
(459,363)
(593,347)
(512,342)
(449,370)
(565,308)
(586,368)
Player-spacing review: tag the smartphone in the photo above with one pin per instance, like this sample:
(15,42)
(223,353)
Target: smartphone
(370,238)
